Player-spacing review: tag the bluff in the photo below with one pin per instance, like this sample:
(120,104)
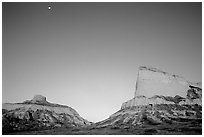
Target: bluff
(165,102)
(155,86)
(152,81)
(38,113)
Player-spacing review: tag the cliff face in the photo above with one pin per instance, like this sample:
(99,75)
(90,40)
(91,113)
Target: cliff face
(154,86)
(152,81)
(39,113)
(161,100)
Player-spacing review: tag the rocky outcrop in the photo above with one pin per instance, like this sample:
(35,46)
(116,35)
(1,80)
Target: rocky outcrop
(162,114)
(194,96)
(154,86)
(152,81)
(39,113)
(39,98)
(160,99)
(143,101)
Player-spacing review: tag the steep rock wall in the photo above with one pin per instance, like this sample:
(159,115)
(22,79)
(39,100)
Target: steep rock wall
(152,81)
(154,86)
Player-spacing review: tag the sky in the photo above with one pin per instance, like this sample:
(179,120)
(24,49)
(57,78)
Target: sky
(86,55)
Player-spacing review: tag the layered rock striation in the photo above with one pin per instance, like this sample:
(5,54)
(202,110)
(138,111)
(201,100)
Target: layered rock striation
(38,113)
(161,115)
(142,101)
(161,99)
(155,86)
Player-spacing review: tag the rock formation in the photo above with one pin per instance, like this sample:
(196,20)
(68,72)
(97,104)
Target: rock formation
(163,103)
(160,99)
(142,100)
(152,81)
(38,114)
(151,115)
(39,98)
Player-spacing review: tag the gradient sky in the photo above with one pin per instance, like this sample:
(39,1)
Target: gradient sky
(86,55)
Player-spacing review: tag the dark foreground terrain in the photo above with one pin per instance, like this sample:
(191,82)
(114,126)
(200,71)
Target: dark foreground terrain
(192,127)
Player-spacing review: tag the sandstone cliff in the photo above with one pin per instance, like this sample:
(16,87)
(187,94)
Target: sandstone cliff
(154,86)
(161,100)
(152,81)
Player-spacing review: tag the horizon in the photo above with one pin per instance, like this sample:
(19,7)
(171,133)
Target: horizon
(87,55)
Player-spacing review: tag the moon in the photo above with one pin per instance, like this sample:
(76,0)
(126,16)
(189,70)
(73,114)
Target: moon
(49,7)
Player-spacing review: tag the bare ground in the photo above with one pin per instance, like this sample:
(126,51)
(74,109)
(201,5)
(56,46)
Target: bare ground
(183,128)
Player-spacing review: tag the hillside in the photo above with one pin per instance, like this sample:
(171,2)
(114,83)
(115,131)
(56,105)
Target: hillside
(38,114)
